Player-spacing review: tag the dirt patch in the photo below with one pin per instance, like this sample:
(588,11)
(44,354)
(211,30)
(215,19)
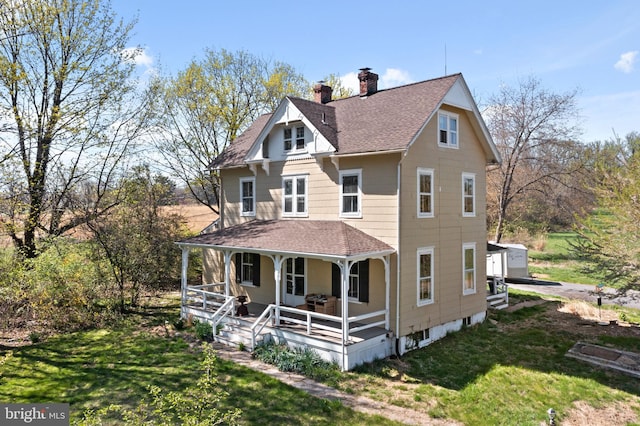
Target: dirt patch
(619,413)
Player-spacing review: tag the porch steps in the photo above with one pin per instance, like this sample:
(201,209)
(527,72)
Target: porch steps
(497,301)
(236,332)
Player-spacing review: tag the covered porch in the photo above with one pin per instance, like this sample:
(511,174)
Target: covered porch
(317,284)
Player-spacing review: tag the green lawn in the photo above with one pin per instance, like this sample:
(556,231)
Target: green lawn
(556,262)
(506,371)
(93,369)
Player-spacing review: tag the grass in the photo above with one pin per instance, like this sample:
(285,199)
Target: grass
(555,261)
(506,371)
(92,369)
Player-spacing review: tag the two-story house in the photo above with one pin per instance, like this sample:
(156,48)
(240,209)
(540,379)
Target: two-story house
(356,227)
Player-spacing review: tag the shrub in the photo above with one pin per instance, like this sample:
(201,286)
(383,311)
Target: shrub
(61,289)
(302,361)
(204,331)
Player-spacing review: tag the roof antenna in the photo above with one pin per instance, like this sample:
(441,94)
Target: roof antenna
(445,59)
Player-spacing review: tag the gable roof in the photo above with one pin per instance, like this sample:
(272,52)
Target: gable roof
(387,120)
(311,238)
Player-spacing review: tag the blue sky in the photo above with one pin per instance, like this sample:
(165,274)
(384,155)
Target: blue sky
(593,46)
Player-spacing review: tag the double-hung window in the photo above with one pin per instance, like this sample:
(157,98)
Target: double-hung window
(295,276)
(294,196)
(351,193)
(447,129)
(469,268)
(248,196)
(248,269)
(288,137)
(468,194)
(425,192)
(358,290)
(425,261)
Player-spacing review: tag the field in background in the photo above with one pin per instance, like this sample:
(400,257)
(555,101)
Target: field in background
(550,258)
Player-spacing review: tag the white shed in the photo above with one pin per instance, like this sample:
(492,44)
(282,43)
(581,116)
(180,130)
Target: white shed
(513,263)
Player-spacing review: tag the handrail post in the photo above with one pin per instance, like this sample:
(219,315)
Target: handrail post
(204,301)
(308,323)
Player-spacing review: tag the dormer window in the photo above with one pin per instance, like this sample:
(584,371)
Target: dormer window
(447,130)
(289,141)
(299,137)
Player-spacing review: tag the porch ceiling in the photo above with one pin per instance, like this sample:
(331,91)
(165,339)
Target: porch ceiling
(310,238)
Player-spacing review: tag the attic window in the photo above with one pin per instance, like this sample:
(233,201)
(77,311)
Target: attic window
(447,130)
(288,138)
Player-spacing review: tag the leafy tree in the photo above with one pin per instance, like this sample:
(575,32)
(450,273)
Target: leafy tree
(609,239)
(339,90)
(206,106)
(533,131)
(69,112)
(137,238)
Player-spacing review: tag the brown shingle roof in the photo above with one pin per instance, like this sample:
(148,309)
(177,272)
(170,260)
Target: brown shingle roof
(387,120)
(233,155)
(315,237)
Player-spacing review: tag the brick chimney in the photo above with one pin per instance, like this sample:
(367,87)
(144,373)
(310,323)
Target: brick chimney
(368,82)
(322,93)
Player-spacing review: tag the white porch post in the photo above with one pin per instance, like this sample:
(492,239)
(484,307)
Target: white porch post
(227,272)
(387,283)
(344,292)
(183,281)
(277,275)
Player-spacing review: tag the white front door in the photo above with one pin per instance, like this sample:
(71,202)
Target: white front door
(294,281)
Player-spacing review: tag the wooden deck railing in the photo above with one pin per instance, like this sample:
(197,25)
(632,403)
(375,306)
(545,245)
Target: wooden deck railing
(311,321)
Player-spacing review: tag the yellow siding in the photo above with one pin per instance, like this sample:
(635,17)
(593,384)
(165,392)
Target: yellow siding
(447,231)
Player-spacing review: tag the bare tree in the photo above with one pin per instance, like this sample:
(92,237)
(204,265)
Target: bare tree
(204,108)
(69,110)
(534,132)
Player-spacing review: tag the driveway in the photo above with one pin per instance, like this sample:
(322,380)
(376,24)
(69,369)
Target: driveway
(581,292)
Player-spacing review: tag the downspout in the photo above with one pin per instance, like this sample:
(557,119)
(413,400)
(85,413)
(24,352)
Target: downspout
(397,333)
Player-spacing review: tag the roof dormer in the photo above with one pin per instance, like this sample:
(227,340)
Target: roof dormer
(290,134)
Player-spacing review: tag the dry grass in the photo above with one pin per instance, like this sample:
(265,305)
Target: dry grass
(588,312)
(613,414)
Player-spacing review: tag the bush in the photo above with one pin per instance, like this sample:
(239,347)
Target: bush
(204,331)
(302,361)
(61,289)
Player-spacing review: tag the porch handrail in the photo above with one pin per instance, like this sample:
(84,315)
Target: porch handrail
(204,294)
(261,322)
(223,311)
(363,317)
(201,286)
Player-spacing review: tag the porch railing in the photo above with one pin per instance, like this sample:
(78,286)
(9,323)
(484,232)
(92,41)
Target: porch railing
(206,295)
(273,311)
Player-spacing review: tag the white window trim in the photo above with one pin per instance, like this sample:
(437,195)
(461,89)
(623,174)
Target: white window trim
(422,171)
(471,176)
(357,214)
(253,201)
(351,274)
(449,115)
(421,251)
(465,247)
(243,282)
(294,140)
(294,196)
(294,275)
